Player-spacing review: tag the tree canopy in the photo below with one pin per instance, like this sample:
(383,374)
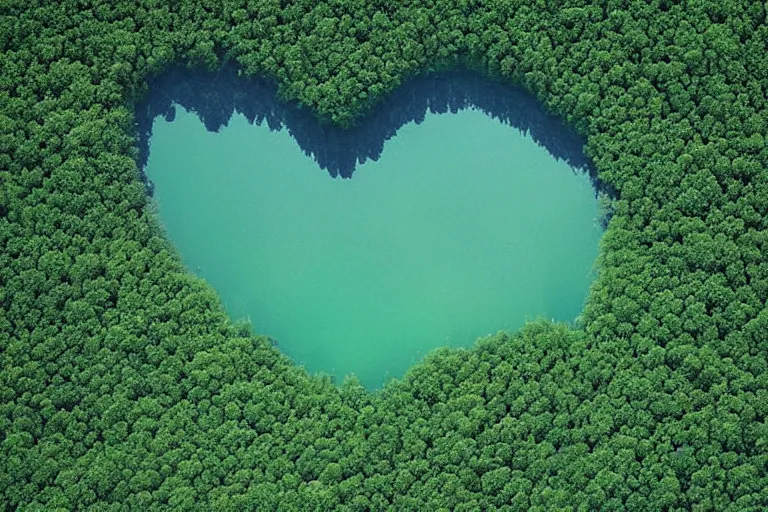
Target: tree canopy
(124,385)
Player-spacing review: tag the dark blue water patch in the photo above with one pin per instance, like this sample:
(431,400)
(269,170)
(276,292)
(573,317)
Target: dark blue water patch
(215,97)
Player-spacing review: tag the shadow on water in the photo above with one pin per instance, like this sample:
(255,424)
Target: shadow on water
(215,97)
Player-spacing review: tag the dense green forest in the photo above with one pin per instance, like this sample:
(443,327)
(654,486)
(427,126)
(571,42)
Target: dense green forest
(123,384)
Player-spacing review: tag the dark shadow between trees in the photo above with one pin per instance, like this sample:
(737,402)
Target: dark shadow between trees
(215,97)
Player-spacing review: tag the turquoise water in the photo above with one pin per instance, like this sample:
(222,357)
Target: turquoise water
(463,227)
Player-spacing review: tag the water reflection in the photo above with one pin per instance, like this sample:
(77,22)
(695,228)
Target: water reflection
(216,97)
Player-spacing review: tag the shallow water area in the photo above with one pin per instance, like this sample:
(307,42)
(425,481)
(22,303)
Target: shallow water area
(464,226)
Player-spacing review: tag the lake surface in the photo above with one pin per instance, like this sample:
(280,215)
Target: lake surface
(464,226)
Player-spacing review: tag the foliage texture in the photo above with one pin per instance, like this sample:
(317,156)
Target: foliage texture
(123,385)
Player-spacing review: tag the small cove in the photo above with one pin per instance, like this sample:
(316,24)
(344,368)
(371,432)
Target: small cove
(454,225)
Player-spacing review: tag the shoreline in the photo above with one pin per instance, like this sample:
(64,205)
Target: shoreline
(216,97)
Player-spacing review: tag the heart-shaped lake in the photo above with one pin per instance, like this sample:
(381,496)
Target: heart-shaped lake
(463,226)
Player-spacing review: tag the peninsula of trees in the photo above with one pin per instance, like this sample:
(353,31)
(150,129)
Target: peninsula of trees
(124,385)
